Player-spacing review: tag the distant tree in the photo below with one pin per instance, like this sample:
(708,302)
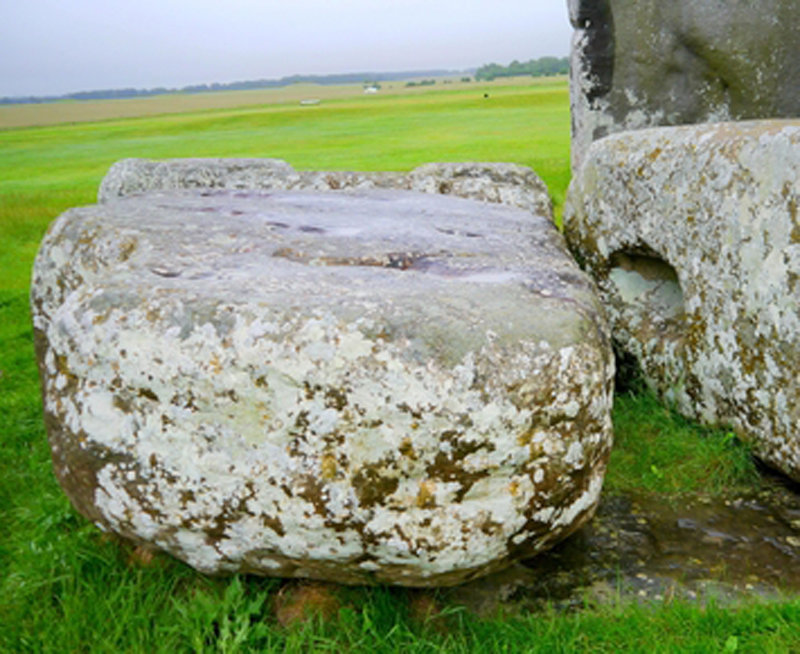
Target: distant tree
(489,71)
(535,67)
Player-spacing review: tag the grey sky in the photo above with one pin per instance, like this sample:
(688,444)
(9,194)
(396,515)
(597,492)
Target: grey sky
(59,46)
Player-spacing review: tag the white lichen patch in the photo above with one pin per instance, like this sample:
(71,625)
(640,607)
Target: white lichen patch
(693,235)
(359,420)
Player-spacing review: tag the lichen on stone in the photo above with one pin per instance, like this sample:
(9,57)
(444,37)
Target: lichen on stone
(689,234)
(331,414)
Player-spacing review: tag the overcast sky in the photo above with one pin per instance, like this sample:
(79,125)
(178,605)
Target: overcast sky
(59,46)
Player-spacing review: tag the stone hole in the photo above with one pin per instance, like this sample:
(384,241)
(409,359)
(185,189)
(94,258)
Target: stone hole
(650,284)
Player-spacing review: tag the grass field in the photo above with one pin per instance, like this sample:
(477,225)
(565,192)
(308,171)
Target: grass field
(52,113)
(65,587)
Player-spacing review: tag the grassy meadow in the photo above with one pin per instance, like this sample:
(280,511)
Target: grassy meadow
(66,587)
(70,111)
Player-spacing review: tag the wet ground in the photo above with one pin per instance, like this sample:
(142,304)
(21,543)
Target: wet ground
(652,550)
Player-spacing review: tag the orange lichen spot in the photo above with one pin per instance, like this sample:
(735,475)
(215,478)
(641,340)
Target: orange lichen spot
(426,498)
(328,466)
(215,364)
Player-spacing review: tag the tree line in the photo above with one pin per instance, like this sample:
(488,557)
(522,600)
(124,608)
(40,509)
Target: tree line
(343,78)
(536,67)
(488,72)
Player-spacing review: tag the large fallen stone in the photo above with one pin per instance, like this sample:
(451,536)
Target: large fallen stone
(693,236)
(649,63)
(503,183)
(363,386)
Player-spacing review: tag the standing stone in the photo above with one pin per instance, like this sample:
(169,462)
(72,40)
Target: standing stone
(364,386)
(650,62)
(693,236)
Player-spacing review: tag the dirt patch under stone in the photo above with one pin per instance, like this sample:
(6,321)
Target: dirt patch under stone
(300,602)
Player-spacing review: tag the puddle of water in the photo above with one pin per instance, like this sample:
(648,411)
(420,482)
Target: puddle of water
(645,549)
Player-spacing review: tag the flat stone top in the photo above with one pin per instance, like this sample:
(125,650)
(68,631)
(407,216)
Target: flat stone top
(421,256)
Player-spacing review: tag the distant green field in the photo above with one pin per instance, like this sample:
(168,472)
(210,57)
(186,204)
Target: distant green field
(70,111)
(64,587)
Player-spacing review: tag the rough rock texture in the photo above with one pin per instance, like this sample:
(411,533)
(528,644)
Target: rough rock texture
(504,183)
(694,238)
(363,386)
(649,63)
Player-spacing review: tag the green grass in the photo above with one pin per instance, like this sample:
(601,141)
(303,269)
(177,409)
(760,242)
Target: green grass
(65,587)
(112,608)
(658,451)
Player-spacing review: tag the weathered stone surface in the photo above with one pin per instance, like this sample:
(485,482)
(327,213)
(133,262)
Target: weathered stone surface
(504,183)
(137,176)
(649,63)
(693,236)
(368,386)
